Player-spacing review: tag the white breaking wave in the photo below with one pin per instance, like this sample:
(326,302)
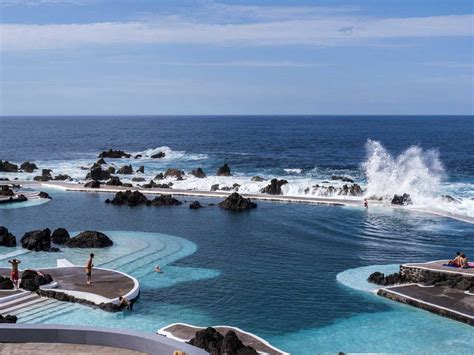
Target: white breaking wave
(170,155)
(415,172)
(293,171)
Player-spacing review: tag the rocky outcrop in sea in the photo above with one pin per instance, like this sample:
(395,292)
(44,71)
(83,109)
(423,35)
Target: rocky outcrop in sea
(236,202)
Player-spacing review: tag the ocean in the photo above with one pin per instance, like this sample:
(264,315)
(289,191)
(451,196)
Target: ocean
(293,274)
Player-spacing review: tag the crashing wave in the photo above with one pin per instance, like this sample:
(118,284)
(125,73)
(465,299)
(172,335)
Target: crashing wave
(170,155)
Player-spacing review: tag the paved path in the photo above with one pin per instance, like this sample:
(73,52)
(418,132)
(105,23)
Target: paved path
(438,266)
(61,349)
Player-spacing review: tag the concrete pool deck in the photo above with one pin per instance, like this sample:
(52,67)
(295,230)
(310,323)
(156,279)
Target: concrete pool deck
(456,304)
(106,287)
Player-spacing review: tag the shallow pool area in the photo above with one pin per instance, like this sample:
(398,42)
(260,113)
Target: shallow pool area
(292,274)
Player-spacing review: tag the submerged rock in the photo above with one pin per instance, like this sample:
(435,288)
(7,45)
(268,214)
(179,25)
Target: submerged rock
(7,239)
(195,205)
(165,200)
(7,167)
(28,167)
(224,170)
(199,173)
(31,280)
(236,202)
(402,200)
(60,236)
(274,188)
(93,184)
(37,240)
(89,239)
(114,154)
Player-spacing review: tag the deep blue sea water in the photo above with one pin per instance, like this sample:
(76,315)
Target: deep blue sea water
(273,270)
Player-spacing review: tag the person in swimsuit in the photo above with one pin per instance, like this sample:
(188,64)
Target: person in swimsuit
(89,267)
(158,269)
(464,262)
(15,275)
(125,303)
(456,261)
(366,203)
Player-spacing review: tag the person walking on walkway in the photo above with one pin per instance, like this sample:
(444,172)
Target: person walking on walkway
(15,274)
(89,267)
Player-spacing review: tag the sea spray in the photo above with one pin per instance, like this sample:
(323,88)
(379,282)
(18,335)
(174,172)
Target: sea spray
(416,172)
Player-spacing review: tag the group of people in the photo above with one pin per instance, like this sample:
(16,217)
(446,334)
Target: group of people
(459,261)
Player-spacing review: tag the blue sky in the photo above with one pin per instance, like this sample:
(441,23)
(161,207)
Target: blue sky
(97,57)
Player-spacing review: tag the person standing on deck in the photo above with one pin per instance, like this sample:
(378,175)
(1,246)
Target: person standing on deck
(89,267)
(15,274)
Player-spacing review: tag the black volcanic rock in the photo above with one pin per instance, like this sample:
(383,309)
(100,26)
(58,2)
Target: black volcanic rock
(342,178)
(6,191)
(8,319)
(28,167)
(158,155)
(141,169)
(7,167)
(43,194)
(38,240)
(224,170)
(178,174)
(31,280)
(114,154)
(215,187)
(274,188)
(165,200)
(215,343)
(195,205)
(236,202)
(45,175)
(7,239)
(353,190)
(199,173)
(89,239)
(159,176)
(114,181)
(6,283)
(128,198)
(125,170)
(98,174)
(379,278)
(62,177)
(402,200)
(60,236)
(257,178)
(101,161)
(94,184)
(138,179)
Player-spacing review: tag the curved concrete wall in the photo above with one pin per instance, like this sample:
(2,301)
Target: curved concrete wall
(55,333)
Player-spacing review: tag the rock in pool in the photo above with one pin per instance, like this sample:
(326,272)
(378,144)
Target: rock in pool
(37,240)
(215,343)
(129,198)
(165,200)
(6,283)
(6,191)
(7,239)
(195,205)
(89,239)
(60,236)
(236,202)
(43,194)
